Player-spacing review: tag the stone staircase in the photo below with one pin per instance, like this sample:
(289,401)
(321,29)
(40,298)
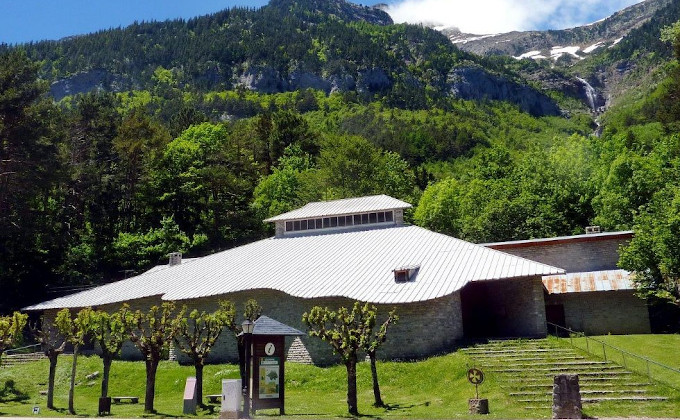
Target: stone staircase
(15,359)
(525,368)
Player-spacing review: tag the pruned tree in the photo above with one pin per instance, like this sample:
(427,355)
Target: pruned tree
(198,333)
(74,330)
(110,332)
(152,332)
(11,327)
(252,310)
(52,344)
(372,341)
(345,331)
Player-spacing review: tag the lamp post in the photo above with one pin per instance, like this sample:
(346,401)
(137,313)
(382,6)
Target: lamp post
(248,327)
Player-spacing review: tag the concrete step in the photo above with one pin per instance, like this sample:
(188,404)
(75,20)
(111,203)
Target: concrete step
(15,359)
(585,385)
(584,392)
(570,369)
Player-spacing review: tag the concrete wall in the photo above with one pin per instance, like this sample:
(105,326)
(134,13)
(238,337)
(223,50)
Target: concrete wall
(574,256)
(597,313)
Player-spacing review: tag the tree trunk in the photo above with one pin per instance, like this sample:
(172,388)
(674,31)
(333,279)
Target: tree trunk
(151,367)
(376,386)
(50,381)
(199,382)
(105,376)
(72,386)
(351,366)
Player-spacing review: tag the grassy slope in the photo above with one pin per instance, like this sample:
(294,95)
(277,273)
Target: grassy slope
(433,388)
(663,348)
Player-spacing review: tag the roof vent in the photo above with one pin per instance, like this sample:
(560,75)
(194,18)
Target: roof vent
(593,229)
(175,258)
(405,274)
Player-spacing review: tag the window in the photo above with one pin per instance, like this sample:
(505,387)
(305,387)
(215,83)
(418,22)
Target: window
(406,274)
(339,221)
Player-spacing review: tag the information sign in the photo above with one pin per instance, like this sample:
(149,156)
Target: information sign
(270,370)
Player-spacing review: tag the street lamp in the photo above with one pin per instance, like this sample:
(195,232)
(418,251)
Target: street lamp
(248,327)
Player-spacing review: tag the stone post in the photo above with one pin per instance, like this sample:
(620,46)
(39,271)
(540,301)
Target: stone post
(566,397)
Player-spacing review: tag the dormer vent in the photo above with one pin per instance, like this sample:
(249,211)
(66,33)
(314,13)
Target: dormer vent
(405,274)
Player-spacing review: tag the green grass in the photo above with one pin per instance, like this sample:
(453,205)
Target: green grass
(432,388)
(661,348)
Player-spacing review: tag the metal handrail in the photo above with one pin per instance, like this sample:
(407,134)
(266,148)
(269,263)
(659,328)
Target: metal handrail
(623,352)
(17,350)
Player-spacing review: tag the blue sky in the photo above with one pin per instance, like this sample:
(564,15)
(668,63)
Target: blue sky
(34,20)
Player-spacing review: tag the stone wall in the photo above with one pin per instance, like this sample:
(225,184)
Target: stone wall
(406,339)
(596,313)
(574,256)
(504,308)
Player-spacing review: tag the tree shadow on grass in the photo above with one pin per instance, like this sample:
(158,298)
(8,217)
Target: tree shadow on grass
(10,393)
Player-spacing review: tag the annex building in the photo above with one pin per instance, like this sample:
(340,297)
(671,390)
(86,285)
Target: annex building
(337,252)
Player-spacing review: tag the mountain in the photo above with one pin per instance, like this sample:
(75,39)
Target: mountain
(326,45)
(599,63)
(562,46)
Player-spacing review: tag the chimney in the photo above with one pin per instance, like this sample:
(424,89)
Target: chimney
(593,229)
(175,258)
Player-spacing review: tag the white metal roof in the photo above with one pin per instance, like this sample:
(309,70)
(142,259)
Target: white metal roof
(355,264)
(344,206)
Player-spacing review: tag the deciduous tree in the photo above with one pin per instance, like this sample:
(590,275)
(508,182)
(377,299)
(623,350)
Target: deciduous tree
(74,330)
(372,342)
(152,332)
(345,330)
(197,334)
(53,345)
(10,330)
(109,331)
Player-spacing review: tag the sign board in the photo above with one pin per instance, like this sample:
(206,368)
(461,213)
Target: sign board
(268,371)
(36,410)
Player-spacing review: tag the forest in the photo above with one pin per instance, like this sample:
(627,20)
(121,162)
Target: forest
(99,186)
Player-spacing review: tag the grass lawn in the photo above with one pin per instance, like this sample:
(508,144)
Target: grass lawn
(432,388)
(661,348)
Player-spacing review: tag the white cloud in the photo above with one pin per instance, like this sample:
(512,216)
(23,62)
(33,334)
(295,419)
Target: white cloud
(492,16)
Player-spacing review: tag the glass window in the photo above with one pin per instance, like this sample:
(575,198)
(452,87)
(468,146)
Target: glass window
(357,219)
(310,224)
(364,219)
(303,224)
(389,216)
(319,224)
(381,217)
(326,222)
(296,225)
(289,226)
(341,221)
(334,221)
(348,220)
(373,218)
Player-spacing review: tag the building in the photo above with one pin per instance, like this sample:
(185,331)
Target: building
(337,252)
(593,296)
